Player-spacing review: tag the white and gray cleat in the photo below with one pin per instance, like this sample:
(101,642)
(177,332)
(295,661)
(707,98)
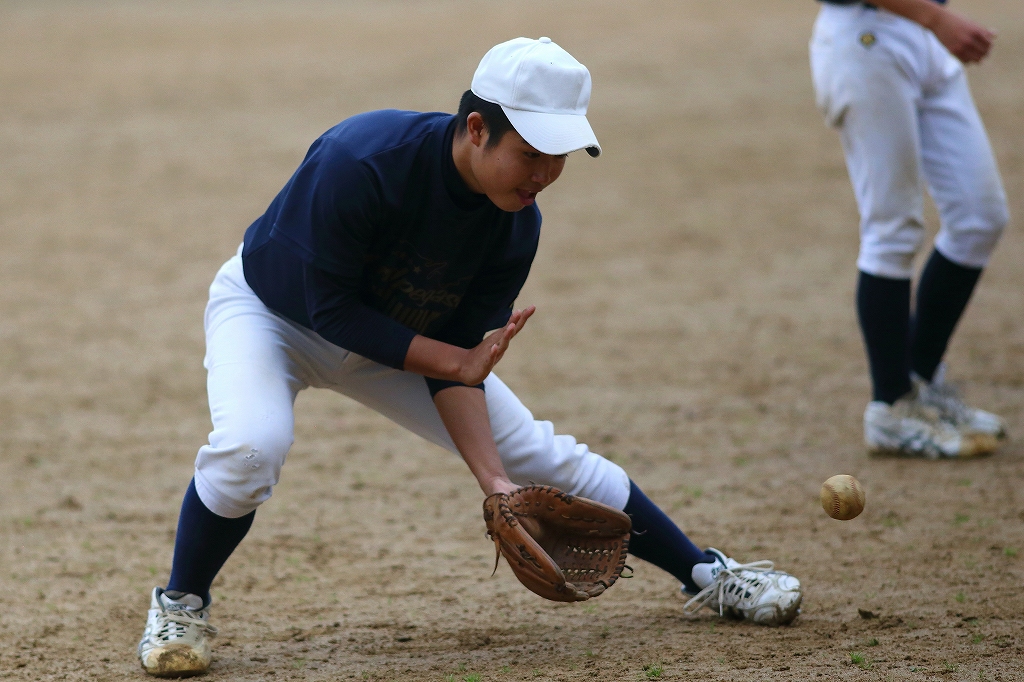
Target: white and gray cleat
(911,428)
(175,642)
(754,591)
(948,401)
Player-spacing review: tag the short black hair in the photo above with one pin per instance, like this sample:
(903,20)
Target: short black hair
(495,120)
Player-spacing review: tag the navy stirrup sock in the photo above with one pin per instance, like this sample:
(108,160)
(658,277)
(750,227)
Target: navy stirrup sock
(203,543)
(942,295)
(883,307)
(657,539)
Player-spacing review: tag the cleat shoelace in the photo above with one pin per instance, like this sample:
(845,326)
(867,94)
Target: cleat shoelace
(731,581)
(175,623)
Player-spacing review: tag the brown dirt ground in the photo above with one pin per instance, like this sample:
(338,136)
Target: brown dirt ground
(695,324)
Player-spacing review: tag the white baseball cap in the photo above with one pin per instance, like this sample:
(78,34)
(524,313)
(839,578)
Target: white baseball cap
(544,92)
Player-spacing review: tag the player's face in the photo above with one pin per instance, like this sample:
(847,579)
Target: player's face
(512,173)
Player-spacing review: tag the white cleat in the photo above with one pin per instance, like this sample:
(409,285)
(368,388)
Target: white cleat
(174,643)
(753,591)
(910,428)
(946,398)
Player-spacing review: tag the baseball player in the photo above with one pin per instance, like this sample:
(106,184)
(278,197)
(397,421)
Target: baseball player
(399,242)
(890,77)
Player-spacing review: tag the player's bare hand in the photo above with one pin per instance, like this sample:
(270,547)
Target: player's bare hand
(482,359)
(969,42)
(499,485)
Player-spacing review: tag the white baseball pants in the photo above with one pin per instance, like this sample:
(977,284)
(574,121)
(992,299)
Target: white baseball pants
(257,362)
(904,111)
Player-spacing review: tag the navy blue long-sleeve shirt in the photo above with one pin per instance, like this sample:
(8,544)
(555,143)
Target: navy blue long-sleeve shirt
(376,238)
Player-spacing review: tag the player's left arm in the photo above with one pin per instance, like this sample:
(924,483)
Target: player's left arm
(463,410)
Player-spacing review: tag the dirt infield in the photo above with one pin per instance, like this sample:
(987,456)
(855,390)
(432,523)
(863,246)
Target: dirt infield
(695,323)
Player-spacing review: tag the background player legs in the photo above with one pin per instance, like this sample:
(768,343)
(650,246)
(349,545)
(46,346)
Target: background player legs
(880,139)
(960,167)
(883,310)
(904,112)
(942,296)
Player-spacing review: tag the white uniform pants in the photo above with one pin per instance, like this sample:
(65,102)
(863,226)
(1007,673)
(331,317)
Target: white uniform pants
(903,109)
(257,362)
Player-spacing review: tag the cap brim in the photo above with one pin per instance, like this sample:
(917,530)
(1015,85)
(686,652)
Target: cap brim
(554,134)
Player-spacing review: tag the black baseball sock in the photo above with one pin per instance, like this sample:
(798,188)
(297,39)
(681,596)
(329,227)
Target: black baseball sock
(203,543)
(883,307)
(942,295)
(657,539)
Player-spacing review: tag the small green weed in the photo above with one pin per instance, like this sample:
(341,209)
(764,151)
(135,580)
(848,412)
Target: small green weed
(653,671)
(961,597)
(961,519)
(860,660)
(1010,551)
(472,677)
(873,641)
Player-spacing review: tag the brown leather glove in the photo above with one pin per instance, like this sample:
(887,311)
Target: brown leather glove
(562,547)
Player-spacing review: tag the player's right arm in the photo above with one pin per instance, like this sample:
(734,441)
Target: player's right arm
(340,317)
(470,366)
(968,41)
